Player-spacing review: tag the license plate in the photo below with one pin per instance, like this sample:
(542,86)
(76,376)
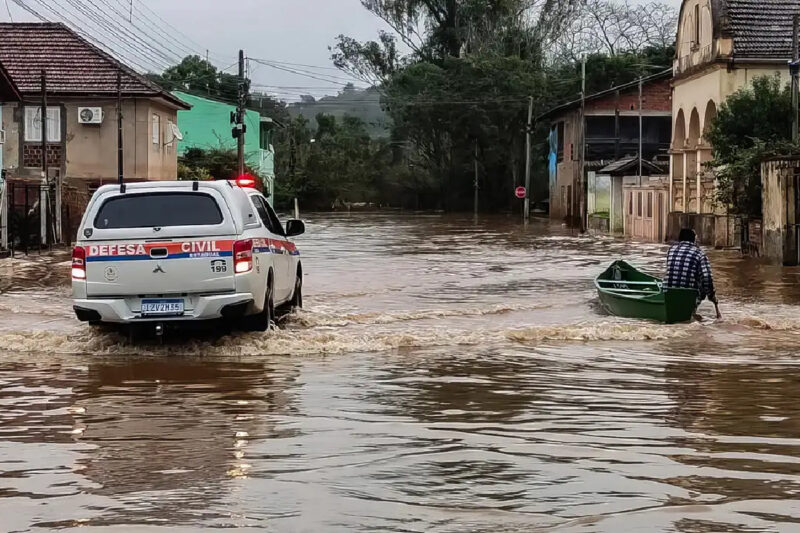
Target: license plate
(162,307)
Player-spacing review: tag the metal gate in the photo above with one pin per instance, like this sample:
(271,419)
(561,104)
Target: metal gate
(24,216)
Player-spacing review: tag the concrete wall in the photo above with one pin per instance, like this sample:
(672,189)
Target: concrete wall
(162,156)
(718,231)
(780,216)
(91,150)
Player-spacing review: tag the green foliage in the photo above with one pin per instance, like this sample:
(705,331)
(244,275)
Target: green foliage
(342,164)
(753,124)
(448,109)
(363,104)
(214,163)
(606,71)
(195,74)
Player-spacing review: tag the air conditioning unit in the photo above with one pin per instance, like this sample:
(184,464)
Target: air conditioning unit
(90,115)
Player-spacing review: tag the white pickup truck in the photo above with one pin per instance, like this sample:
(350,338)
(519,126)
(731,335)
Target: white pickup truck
(162,253)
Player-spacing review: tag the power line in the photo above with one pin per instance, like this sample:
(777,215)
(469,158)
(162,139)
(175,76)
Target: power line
(174,29)
(286,63)
(170,58)
(79,25)
(72,25)
(100,18)
(308,74)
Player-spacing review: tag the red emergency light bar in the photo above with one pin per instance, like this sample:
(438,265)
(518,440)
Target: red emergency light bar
(246,181)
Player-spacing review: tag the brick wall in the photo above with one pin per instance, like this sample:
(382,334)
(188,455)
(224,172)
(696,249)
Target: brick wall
(656,96)
(32,155)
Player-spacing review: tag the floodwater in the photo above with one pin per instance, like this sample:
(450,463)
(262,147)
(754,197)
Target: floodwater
(446,376)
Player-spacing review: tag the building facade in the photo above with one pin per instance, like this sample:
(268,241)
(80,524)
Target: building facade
(81,147)
(208,125)
(721,46)
(612,133)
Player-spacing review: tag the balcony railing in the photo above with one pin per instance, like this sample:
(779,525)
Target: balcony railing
(699,56)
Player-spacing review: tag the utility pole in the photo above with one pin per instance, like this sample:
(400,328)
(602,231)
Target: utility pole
(476,178)
(3,211)
(44,186)
(641,131)
(795,70)
(527,209)
(584,212)
(240,114)
(120,152)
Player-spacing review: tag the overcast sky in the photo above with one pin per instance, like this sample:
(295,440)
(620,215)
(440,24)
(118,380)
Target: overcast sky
(297,32)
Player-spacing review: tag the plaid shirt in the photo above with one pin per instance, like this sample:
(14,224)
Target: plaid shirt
(688,268)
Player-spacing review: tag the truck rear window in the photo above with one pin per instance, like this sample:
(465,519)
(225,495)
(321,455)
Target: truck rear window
(158,210)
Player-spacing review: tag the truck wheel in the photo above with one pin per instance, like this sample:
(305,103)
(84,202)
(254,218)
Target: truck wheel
(297,296)
(263,320)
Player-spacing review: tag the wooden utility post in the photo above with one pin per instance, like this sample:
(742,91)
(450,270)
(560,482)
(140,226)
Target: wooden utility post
(45,185)
(584,184)
(240,113)
(795,79)
(641,131)
(120,150)
(527,209)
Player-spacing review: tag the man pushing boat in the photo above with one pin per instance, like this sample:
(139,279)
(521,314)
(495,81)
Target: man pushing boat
(688,267)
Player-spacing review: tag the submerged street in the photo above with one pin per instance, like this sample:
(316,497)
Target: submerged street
(446,375)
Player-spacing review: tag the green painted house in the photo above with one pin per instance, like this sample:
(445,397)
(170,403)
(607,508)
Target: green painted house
(208,125)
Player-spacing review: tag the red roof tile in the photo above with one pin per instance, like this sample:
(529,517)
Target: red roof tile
(74,66)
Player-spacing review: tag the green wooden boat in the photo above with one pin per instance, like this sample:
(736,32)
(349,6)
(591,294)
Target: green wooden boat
(629,293)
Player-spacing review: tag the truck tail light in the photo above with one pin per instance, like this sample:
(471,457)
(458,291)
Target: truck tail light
(79,263)
(243,256)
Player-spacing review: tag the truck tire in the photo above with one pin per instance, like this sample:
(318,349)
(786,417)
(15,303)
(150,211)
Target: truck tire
(297,296)
(263,320)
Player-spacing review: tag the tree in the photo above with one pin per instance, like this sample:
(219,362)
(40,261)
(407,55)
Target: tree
(606,71)
(197,75)
(751,125)
(611,27)
(342,165)
(213,163)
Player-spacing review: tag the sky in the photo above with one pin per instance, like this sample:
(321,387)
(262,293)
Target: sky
(294,35)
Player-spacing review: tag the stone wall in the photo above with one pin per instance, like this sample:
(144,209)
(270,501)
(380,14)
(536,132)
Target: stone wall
(718,231)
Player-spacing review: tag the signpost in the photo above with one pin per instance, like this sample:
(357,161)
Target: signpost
(521,192)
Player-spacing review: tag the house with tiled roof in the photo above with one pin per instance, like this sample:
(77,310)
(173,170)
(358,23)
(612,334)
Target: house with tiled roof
(721,46)
(611,124)
(81,87)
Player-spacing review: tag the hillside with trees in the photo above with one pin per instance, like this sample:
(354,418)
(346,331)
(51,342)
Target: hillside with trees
(363,104)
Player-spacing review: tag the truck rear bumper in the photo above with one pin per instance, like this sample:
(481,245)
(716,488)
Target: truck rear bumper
(122,311)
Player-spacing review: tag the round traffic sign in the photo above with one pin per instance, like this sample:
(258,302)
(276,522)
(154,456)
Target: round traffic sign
(521,192)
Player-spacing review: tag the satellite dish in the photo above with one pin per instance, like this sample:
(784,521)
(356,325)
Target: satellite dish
(176,133)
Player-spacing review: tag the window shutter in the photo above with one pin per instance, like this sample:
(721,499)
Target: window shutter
(156,130)
(53,125)
(33,124)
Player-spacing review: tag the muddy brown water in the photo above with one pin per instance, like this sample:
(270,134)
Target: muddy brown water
(445,376)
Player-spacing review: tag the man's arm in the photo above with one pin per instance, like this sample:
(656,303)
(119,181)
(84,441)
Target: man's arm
(708,279)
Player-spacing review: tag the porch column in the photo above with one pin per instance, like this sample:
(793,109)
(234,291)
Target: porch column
(699,182)
(685,177)
(671,203)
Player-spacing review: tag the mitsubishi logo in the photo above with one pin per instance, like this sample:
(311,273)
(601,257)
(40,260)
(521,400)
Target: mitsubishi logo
(158,270)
